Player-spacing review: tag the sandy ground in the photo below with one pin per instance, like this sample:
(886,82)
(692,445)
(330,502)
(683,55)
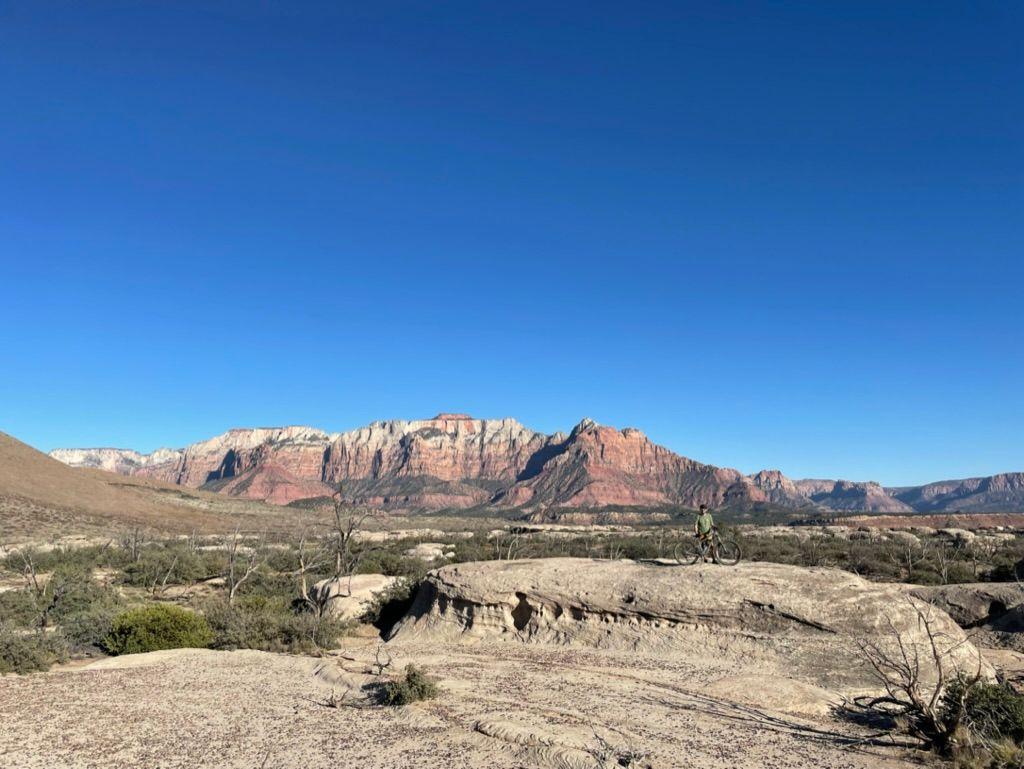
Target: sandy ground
(502,705)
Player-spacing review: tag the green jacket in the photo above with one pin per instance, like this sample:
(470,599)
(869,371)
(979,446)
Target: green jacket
(704,524)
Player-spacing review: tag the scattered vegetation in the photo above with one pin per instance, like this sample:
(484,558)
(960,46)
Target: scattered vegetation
(155,627)
(255,591)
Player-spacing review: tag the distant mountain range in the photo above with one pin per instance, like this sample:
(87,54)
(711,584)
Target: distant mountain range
(456,462)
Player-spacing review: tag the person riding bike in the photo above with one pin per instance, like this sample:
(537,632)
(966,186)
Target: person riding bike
(704,524)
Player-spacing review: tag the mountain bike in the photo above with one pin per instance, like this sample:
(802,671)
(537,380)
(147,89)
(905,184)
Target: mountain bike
(694,550)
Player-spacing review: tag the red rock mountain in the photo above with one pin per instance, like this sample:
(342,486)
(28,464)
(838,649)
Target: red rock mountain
(454,462)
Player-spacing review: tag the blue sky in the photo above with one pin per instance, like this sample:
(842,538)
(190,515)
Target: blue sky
(767,234)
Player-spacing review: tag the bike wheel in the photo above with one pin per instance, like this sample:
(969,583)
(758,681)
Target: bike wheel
(688,552)
(727,553)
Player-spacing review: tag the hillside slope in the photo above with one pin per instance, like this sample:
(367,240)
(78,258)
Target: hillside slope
(40,496)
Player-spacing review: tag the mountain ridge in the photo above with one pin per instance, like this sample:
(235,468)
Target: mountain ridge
(456,461)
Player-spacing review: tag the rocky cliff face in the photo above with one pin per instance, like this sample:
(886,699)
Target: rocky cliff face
(866,496)
(122,461)
(598,465)
(455,461)
(771,487)
(995,493)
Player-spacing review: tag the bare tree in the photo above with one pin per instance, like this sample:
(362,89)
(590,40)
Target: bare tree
(342,545)
(983,550)
(242,562)
(506,545)
(905,555)
(133,543)
(347,526)
(382,660)
(159,586)
(615,549)
(945,553)
(313,554)
(915,675)
(812,550)
(46,594)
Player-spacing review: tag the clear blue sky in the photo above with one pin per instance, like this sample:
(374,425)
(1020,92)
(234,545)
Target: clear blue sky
(767,234)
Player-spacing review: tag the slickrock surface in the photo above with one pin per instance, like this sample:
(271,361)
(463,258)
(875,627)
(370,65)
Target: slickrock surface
(798,622)
(348,598)
(972,605)
(501,706)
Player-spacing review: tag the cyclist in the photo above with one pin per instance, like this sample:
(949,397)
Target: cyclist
(704,524)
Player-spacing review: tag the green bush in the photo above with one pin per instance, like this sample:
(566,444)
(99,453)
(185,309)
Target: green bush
(992,711)
(18,607)
(415,685)
(988,727)
(151,628)
(75,593)
(393,563)
(270,624)
(91,626)
(268,584)
(28,652)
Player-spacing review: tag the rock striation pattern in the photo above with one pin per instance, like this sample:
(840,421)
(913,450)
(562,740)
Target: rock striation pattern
(806,622)
(454,461)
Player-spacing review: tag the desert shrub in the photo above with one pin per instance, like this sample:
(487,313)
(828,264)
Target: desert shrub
(1007,565)
(18,607)
(270,624)
(267,583)
(475,548)
(74,592)
(90,627)
(991,711)
(393,563)
(282,559)
(179,564)
(84,610)
(82,558)
(69,590)
(155,627)
(413,686)
(28,652)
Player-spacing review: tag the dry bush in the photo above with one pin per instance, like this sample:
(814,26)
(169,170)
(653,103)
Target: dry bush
(413,686)
(914,698)
(928,696)
(607,755)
